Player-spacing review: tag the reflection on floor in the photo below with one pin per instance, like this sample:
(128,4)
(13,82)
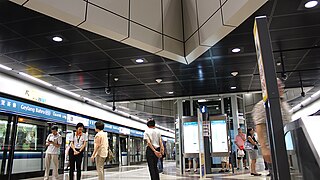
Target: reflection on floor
(141,172)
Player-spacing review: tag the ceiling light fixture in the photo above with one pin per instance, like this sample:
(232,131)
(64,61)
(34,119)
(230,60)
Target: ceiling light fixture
(57,39)
(202,100)
(170,92)
(310,4)
(235,73)
(278,63)
(5,67)
(236,50)
(233,87)
(139,60)
(158,80)
(35,79)
(116,79)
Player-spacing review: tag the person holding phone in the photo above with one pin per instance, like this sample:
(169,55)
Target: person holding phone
(155,148)
(53,143)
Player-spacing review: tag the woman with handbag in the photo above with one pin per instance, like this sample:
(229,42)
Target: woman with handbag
(252,149)
(100,152)
(154,148)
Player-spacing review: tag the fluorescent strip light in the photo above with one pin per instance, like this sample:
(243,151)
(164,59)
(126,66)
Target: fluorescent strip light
(315,94)
(5,67)
(202,100)
(35,79)
(68,92)
(306,101)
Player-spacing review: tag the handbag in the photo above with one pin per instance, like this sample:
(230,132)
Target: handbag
(110,155)
(240,153)
(248,146)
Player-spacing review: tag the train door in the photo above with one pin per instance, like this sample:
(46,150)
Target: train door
(135,150)
(124,150)
(5,129)
(114,146)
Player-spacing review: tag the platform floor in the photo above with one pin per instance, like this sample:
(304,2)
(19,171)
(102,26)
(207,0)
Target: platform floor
(140,172)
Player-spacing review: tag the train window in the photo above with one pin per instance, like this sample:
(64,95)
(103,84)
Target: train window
(3,129)
(26,137)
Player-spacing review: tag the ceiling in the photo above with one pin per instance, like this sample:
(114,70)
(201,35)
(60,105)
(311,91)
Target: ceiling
(81,62)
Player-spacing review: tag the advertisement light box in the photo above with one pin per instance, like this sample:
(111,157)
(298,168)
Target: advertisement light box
(219,136)
(191,137)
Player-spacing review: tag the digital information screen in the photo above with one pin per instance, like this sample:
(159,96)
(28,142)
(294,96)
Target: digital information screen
(191,137)
(219,136)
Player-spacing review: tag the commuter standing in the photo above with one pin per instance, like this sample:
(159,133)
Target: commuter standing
(253,151)
(259,118)
(154,148)
(78,142)
(240,139)
(160,161)
(100,151)
(53,143)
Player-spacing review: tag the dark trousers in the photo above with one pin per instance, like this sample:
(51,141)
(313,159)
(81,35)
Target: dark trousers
(152,160)
(75,159)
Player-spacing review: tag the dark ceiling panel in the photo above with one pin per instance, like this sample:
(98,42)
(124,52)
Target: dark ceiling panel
(86,57)
(12,12)
(151,59)
(7,34)
(126,53)
(30,55)
(41,25)
(97,65)
(73,48)
(108,44)
(69,36)
(16,45)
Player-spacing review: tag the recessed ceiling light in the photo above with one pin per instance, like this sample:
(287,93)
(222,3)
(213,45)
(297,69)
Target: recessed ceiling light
(310,4)
(57,39)
(139,60)
(236,50)
(170,92)
(278,63)
(233,87)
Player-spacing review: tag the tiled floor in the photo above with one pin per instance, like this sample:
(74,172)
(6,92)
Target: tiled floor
(141,172)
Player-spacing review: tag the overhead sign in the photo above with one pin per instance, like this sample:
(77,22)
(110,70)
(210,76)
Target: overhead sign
(29,110)
(25,109)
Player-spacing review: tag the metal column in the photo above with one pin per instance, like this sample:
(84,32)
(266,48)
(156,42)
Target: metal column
(180,148)
(271,95)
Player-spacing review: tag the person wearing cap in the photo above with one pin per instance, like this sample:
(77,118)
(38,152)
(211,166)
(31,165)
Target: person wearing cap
(155,148)
(53,143)
(77,146)
(259,118)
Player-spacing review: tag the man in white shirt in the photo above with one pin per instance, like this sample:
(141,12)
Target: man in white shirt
(155,148)
(53,143)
